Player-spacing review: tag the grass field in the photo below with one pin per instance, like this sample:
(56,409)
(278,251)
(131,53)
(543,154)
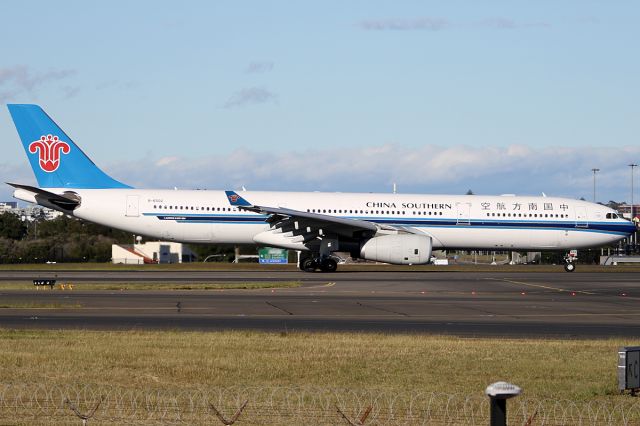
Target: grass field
(170,377)
(569,369)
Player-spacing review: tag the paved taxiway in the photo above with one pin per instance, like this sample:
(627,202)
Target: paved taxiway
(463,303)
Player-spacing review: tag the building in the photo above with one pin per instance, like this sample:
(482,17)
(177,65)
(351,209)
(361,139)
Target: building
(625,210)
(29,213)
(151,253)
(8,206)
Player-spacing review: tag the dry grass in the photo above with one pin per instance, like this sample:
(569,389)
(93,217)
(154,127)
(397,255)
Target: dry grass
(172,360)
(117,285)
(32,305)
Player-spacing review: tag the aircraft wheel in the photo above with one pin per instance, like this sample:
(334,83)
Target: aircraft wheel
(308,265)
(328,265)
(569,267)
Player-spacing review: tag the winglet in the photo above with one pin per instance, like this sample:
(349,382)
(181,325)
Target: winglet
(236,200)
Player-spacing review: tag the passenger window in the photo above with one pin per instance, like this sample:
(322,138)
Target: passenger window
(415,251)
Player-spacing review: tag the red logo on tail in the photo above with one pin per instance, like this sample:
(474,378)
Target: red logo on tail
(49,149)
(234,198)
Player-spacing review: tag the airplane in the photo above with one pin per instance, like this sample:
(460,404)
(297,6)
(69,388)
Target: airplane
(398,229)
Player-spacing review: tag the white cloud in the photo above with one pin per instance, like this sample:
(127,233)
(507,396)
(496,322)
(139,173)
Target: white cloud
(439,24)
(259,67)
(20,79)
(250,96)
(515,169)
(165,161)
(399,24)
(486,170)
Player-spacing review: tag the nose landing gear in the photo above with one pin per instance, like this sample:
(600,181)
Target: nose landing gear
(569,261)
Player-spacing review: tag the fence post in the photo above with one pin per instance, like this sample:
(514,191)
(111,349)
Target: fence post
(84,417)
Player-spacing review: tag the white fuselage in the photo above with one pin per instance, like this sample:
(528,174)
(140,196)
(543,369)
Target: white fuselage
(453,222)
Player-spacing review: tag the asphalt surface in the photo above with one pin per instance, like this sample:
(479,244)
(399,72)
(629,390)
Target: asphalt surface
(460,303)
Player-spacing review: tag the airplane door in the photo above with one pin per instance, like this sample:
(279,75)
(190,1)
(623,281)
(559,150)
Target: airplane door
(581,217)
(464,213)
(133,209)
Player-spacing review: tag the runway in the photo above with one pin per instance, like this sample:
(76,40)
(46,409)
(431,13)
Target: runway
(460,303)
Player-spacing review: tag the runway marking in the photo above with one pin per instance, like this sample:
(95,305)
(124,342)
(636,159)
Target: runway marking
(330,284)
(547,287)
(382,309)
(279,308)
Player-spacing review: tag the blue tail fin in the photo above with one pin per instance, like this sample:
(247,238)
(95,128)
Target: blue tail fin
(56,161)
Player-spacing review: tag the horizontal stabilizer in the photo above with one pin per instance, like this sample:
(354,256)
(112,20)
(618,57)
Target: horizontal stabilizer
(69,201)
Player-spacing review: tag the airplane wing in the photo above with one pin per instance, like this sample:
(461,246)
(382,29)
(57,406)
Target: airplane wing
(287,218)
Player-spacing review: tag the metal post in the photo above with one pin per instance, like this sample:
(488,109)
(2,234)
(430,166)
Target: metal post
(498,412)
(594,183)
(498,394)
(632,165)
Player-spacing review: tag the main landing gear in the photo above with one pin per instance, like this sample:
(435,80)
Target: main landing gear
(326,264)
(569,262)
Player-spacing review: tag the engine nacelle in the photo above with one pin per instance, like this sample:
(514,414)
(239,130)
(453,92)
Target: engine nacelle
(398,249)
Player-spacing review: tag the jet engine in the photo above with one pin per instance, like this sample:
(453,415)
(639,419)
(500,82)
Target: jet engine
(398,249)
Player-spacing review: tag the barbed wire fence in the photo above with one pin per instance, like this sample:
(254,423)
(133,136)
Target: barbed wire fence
(53,404)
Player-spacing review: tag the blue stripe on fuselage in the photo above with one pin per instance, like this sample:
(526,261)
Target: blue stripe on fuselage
(619,228)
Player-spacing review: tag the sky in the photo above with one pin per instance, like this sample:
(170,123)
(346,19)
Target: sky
(518,97)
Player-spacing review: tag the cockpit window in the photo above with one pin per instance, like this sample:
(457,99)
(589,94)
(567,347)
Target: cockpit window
(612,216)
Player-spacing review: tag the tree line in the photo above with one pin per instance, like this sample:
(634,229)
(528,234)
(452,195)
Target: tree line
(62,239)
(67,239)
